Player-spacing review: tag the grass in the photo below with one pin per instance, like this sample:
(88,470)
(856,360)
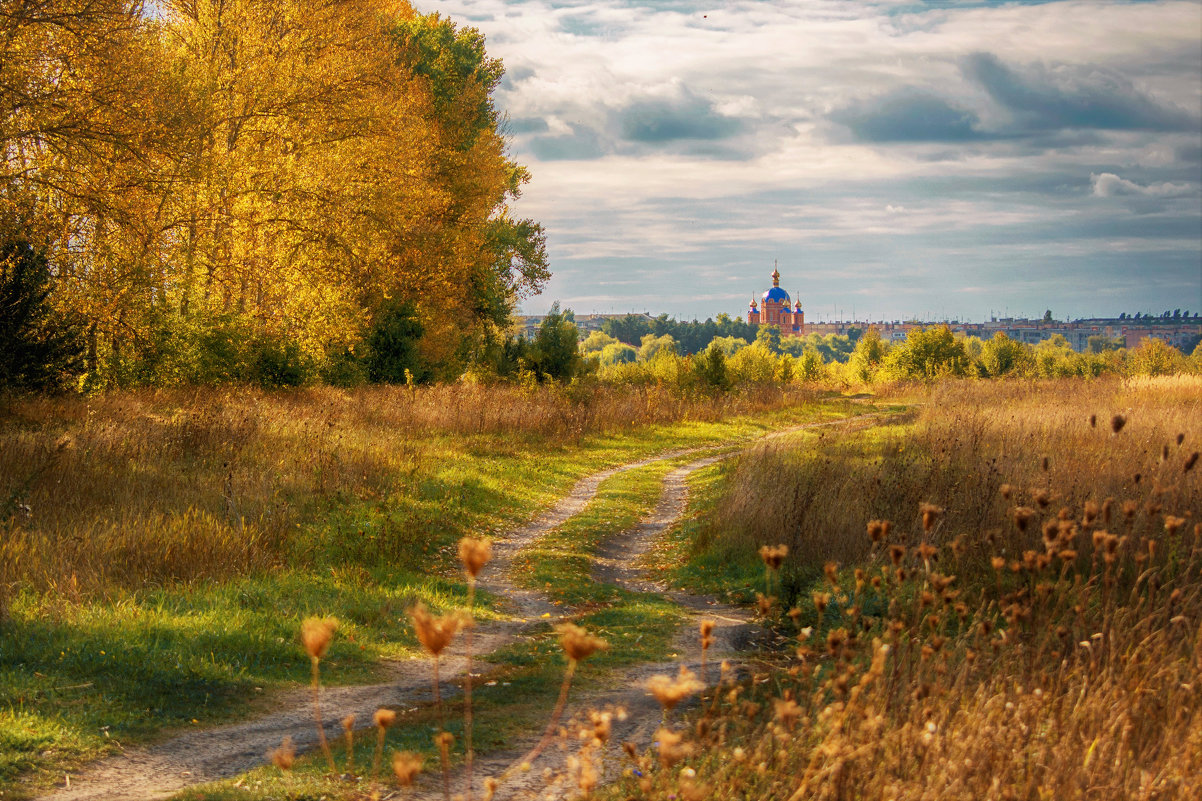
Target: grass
(184,535)
(517,693)
(964,656)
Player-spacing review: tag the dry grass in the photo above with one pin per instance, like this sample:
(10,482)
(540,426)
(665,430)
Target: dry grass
(961,655)
(968,440)
(146,488)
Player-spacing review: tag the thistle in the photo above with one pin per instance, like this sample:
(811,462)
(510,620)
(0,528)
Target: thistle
(474,554)
(316,634)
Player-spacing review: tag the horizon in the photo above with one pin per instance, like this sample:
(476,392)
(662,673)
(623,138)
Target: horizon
(907,159)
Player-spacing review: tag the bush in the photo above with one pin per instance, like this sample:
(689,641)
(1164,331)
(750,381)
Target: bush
(927,354)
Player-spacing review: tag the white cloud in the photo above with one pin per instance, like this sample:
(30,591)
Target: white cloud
(783,177)
(1108,184)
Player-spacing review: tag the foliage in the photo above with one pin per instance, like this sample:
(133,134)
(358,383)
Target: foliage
(286,165)
(393,355)
(711,367)
(554,352)
(1004,356)
(653,346)
(596,342)
(40,348)
(618,353)
(691,337)
(926,355)
(1155,357)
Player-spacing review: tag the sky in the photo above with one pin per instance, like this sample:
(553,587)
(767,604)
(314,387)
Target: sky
(937,160)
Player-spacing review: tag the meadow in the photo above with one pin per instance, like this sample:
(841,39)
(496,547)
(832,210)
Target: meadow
(999,598)
(161,547)
(987,589)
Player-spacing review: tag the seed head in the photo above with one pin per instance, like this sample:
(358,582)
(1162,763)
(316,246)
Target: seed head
(602,725)
(348,723)
(1171,524)
(1190,461)
(316,633)
(707,634)
(670,692)
(1041,497)
(1117,422)
(284,756)
(897,553)
(405,766)
(577,643)
(474,554)
(1007,491)
(1093,421)
(774,556)
(764,603)
(384,718)
(671,749)
(1180,439)
(878,529)
(821,599)
(434,633)
(930,515)
(786,711)
(831,569)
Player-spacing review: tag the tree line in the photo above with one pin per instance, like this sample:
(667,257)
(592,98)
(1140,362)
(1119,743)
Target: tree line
(206,190)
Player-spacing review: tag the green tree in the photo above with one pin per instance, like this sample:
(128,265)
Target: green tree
(596,341)
(869,353)
(40,348)
(1002,355)
(730,345)
(769,337)
(1155,357)
(1099,343)
(554,353)
(392,344)
(927,354)
(653,345)
(618,353)
(711,367)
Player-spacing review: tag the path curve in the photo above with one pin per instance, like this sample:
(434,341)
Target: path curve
(549,777)
(160,770)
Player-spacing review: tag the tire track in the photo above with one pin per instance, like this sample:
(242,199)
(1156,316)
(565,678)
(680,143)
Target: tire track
(197,757)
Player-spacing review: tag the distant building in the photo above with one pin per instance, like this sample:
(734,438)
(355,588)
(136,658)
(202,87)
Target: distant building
(775,310)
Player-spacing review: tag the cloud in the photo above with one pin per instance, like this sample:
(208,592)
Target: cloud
(660,120)
(581,143)
(1108,184)
(1073,96)
(908,115)
(1040,150)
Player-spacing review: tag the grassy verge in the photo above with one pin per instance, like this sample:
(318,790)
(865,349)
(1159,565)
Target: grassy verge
(516,695)
(348,519)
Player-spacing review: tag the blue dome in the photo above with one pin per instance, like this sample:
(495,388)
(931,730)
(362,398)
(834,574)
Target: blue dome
(776,295)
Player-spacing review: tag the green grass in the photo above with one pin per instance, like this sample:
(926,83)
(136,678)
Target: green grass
(77,678)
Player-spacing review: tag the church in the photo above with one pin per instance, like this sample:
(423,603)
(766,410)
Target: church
(774,310)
